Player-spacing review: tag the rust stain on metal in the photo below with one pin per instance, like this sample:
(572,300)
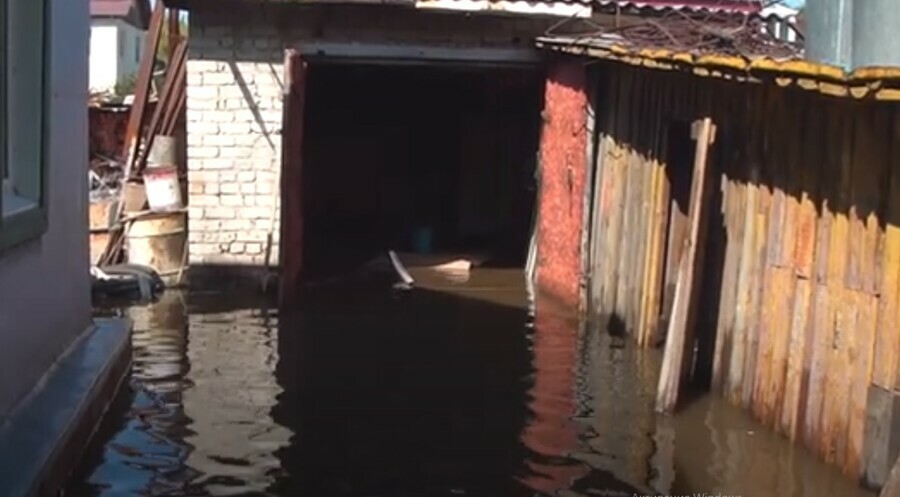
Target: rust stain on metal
(562,181)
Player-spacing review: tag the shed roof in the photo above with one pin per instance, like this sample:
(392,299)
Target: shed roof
(136,12)
(743,6)
(875,83)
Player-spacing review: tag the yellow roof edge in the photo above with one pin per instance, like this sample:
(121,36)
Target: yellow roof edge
(793,67)
(804,72)
(871,73)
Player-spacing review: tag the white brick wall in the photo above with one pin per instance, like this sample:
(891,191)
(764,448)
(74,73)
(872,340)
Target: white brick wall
(234,107)
(234,154)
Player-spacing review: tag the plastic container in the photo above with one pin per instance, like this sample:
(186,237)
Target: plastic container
(163,190)
(422,240)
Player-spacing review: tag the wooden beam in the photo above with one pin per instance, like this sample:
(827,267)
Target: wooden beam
(892,487)
(291,181)
(678,356)
(142,86)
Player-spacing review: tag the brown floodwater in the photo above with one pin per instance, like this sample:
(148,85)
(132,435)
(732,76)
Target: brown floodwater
(452,389)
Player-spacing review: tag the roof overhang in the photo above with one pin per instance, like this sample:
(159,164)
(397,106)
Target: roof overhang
(871,83)
(523,7)
(697,6)
(573,8)
(134,12)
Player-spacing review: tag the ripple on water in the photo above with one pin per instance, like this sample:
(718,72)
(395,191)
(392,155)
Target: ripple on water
(459,391)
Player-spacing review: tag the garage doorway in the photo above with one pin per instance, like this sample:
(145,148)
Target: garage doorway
(415,158)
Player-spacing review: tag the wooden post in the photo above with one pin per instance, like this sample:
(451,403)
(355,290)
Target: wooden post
(291,241)
(142,87)
(892,487)
(679,353)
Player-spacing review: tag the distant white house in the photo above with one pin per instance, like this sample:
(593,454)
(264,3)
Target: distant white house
(118,29)
(781,21)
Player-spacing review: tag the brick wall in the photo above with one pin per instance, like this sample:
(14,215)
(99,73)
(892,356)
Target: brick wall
(235,108)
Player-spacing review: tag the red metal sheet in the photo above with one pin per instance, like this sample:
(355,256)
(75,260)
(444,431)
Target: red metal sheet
(563,142)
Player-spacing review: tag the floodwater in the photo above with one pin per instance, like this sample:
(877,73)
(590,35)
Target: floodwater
(453,389)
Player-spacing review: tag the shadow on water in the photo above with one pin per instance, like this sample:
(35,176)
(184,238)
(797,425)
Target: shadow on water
(451,389)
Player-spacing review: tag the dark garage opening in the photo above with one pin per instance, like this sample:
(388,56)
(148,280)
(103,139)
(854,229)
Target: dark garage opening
(407,157)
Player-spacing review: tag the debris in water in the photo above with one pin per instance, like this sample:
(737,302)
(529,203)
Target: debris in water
(401,271)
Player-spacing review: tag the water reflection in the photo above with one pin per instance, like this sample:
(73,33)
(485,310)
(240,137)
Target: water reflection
(453,389)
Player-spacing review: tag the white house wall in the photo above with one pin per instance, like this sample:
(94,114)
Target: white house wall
(115,52)
(44,284)
(104,59)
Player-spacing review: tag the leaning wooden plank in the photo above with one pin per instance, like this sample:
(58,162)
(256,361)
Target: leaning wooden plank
(799,323)
(169,99)
(859,384)
(644,323)
(661,219)
(877,436)
(837,388)
(651,162)
(659,262)
(623,302)
(752,378)
(632,200)
(597,230)
(601,270)
(637,231)
(732,370)
(727,287)
(600,230)
(743,312)
(876,142)
(845,338)
(823,327)
(641,163)
(638,226)
(768,299)
(830,172)
(796,331)
(614,241)
(805,250)
(782,292)
(619,187)
(679,343)
(769,216)
(887,357)
(892,487)
(872,134)
(142,85)
(136,118)
(756,252)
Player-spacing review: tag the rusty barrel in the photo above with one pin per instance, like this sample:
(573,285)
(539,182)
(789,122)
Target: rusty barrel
(159,240)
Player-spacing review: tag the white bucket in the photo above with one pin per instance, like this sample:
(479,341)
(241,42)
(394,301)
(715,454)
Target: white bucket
(163,190)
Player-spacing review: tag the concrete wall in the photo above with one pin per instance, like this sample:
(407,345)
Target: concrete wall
(45,291)
(115,52)
(561,205)
(235,106)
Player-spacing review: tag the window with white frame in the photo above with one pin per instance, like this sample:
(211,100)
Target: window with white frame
(22,105)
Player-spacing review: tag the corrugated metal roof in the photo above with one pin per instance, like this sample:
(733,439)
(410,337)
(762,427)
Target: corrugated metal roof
(661,6)
(656,5)
(135,11)
(878,83)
